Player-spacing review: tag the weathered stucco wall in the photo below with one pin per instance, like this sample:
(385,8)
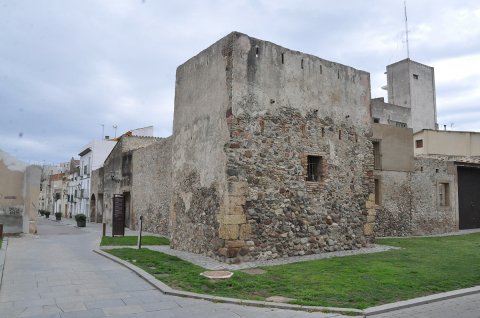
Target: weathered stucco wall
(19,193)
(151,186)
(248,113)
(117,176)
(412,84)
(390,114)
(448,143)
(200,131)
(395,147)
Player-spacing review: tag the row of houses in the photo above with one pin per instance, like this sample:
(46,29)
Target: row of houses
(277,153)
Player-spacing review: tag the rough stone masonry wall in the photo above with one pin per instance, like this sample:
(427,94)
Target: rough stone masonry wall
(409,203)
(247,115)
(151,185)
(274,212)
(394,212)
(428,217)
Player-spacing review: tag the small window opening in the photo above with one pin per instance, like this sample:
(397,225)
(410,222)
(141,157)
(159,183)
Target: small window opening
(444,194)
(323,132)
(314,168)
(338,74)
(301,64)
(321,70)
(356,137)
(376,120)
(419,143)
(283,58)
(257,50)
(421,169)
(436,170)
(377,164)
(377,191)
(340,135)
(415,76)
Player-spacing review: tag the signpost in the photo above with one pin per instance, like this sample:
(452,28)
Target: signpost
(118,219)
(140,233)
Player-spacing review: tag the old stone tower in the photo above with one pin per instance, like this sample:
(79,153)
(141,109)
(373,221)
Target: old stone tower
(271,153)
(412,85)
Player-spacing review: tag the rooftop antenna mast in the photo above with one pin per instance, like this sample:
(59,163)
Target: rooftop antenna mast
(115,127)
(406,27)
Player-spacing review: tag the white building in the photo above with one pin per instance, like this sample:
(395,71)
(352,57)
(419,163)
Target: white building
(92,157)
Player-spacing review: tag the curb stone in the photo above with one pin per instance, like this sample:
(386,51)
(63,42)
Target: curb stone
(167,290)
(3,258)
(421,301)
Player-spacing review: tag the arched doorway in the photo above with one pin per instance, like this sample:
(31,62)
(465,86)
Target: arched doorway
(92,208)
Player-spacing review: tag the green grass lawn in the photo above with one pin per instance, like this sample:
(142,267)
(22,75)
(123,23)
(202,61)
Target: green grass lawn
(423,266)
(132,240)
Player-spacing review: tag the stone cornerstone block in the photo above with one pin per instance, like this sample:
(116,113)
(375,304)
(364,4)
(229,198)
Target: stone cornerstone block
(368,229)
(234,219)
(228,231)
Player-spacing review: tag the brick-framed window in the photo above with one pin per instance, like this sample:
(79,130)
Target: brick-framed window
(419,143)
(314,168)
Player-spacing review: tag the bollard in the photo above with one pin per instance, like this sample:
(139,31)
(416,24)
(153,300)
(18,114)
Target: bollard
(1,231)
(104,229)
(140,233)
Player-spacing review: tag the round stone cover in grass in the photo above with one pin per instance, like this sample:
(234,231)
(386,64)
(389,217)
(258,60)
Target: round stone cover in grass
(217,274)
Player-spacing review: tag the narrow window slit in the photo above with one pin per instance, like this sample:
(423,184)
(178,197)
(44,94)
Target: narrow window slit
(283,58)
(314,168)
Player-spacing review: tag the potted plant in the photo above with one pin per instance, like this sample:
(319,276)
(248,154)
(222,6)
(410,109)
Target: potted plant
(42,212)
(47,214)
(81,220)
(58,216)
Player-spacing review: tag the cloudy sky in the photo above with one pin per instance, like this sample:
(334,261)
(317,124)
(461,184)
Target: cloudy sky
(67,67)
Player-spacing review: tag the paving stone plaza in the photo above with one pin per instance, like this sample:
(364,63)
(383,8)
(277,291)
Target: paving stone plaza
(56,274)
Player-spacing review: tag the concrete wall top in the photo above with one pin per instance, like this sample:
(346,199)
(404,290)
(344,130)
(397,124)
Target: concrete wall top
(12,173)
(451,143)
(389,114)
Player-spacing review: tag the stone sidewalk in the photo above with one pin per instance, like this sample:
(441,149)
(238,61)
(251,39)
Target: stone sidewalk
(56,275)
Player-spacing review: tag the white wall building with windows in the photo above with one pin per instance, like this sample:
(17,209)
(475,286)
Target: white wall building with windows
(92,157)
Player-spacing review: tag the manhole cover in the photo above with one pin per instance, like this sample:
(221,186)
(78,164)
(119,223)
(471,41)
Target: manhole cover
(217,274)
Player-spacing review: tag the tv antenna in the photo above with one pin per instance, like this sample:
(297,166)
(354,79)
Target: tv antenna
(406,27)
(103,131)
